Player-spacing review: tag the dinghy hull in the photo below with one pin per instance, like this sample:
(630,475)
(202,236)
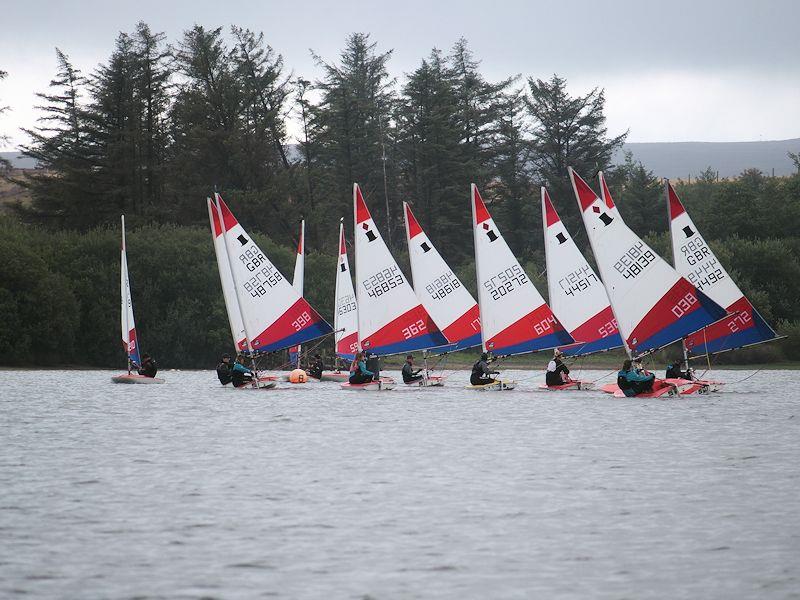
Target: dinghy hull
(569,387)
(135,378)
(383,384)
(497,386)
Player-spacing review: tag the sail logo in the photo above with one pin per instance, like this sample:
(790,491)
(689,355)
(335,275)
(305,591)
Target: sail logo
(604,217)
(425,247)
(688,231)
(242,240)
(490,233)
(371,237)
(561,238)
(342,267)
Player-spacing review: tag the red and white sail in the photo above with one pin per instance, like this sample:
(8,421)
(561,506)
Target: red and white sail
(391,318)
(297,284)
(440,290)
(226,279)
(514,316)
(577,296)
(694,260)
(345,319)
(275,316)
(653,304)
(130,341)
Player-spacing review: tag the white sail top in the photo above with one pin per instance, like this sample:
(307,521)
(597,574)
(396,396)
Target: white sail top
(440,290)
(275,316)
(653,304)
(226,279)
(300,261)
(345,319)
(130,341)
(514,316)
(390,316)
(577,296)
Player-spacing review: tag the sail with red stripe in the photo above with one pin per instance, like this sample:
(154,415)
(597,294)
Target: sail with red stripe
(297,284)
(653,304)
(694,259)
(275,316)
(577,296)
(440,290)
(130,341)
(345,316)
(391,318)
(226,279)
(514,316)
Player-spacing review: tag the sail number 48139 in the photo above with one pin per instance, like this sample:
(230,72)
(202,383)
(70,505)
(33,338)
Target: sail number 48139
(634,261)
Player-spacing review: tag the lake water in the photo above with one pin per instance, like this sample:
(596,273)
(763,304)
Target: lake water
(190,490)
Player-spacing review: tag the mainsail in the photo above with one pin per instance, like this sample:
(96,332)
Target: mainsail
(390,316)
(514,316)
(653,304)
(226,279)
(345,318)
(297,284)
(275,316)
(577,296)
(440,290)
(694,260)
(130,341)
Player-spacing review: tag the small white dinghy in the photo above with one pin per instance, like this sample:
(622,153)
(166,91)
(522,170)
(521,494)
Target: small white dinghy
(382,384)
(130,340)
(497,386)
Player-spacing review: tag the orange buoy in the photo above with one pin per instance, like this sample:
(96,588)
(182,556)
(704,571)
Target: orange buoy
(298,376)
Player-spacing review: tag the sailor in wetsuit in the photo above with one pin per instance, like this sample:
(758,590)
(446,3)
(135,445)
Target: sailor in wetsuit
(358,370)
(148,368)
(674,371)
(410,375)
(633,382)
(240,375)
(481,373)
(224,369)
(557,371)
(316,367)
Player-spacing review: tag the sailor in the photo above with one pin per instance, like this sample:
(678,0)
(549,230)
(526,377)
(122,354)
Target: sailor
(674,371)
(240,375)
(481,373)
(148,368)
(410,375)
(358,370)
(316,367)
(224,369)
(632,382)
(557,371)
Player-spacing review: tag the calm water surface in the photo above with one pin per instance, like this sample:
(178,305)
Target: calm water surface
(189,490)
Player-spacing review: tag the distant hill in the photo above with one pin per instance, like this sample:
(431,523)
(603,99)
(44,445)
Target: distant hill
(676,160)
(679,160)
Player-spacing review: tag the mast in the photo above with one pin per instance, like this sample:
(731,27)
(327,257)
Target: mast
(247,332)
(124,293)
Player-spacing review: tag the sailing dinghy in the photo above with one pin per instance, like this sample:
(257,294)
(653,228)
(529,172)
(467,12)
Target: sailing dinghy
(130,340)
(654,305)
(274,315)
(693,259)
(576,294)
(391,319)
(441,292)
(515,319)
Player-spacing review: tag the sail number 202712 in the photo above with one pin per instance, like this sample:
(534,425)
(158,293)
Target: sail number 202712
(505,281)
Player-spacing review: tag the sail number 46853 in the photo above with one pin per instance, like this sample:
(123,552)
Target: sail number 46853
(383,281)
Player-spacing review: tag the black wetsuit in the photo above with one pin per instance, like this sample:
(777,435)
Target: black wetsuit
(224,370)
(554,377)
(316,368)
(481,374)
(148,368)
(674,372)
(409,374)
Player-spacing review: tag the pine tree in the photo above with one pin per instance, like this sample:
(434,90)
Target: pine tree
(4,164)
(352,129)
(568,131)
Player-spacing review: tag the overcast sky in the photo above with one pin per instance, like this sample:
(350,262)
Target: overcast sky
(672,71)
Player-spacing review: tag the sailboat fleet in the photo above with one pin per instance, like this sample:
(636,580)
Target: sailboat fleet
(638,301)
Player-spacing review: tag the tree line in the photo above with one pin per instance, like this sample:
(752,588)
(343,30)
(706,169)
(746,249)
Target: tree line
(158,126)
